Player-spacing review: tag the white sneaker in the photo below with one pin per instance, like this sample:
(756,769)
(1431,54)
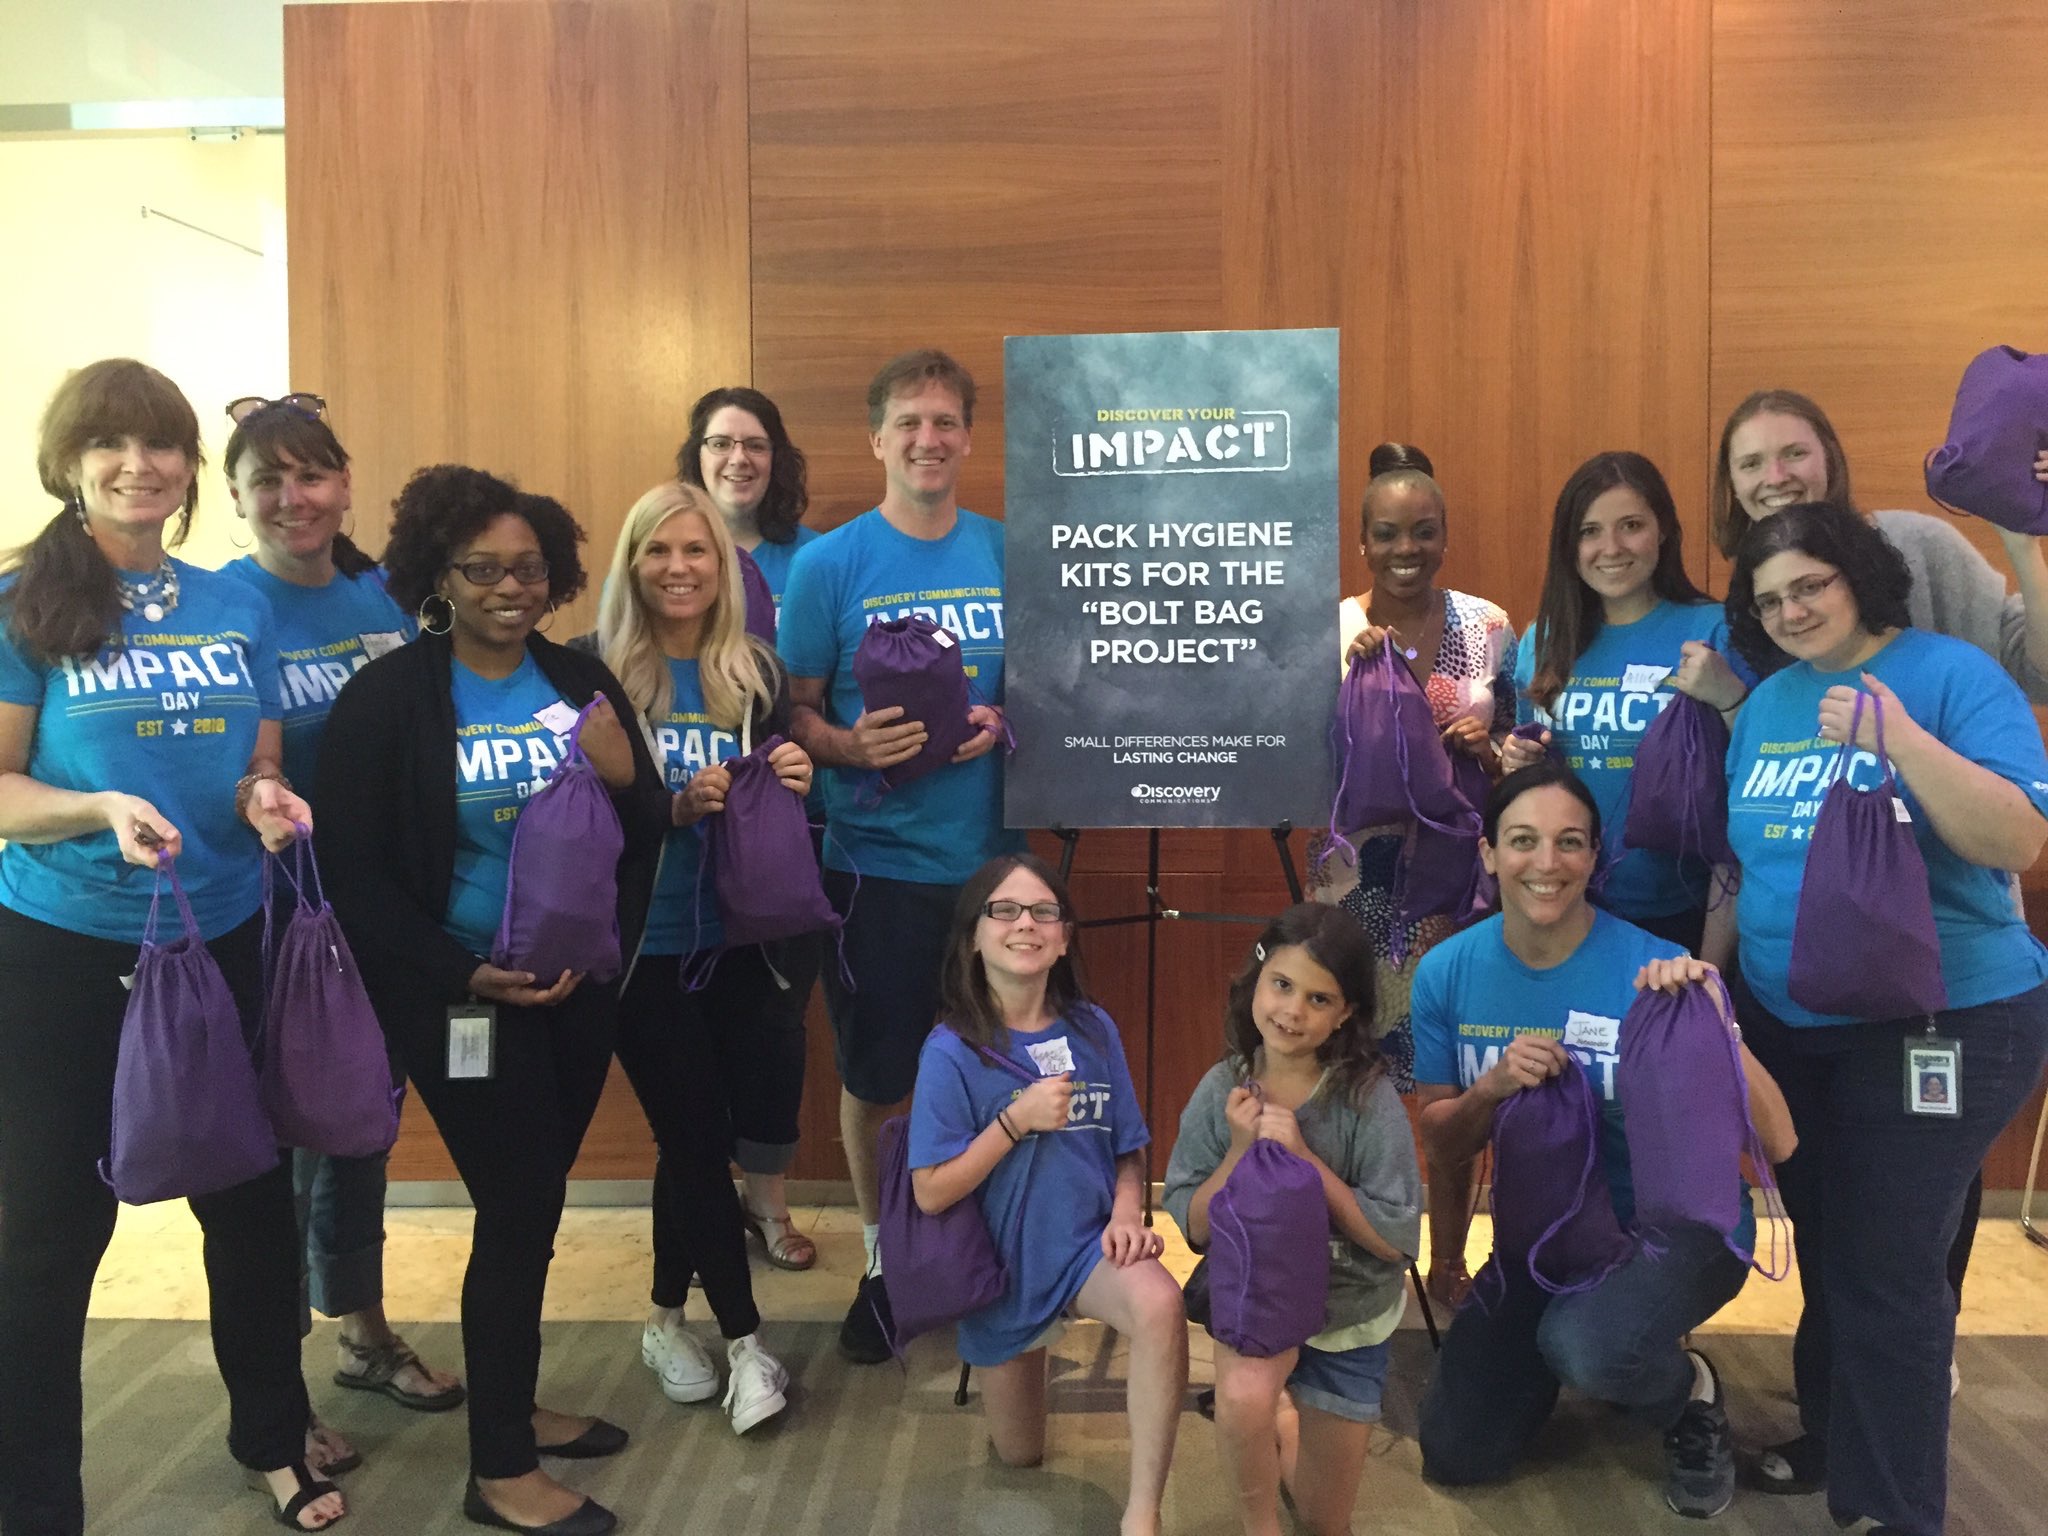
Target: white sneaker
(756,1391)
(684,1366)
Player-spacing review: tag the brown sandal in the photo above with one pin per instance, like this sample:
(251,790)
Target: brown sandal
(378,1368)
(790,1248)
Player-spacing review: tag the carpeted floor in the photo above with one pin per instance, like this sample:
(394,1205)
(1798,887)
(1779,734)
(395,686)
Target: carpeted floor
(876,1450)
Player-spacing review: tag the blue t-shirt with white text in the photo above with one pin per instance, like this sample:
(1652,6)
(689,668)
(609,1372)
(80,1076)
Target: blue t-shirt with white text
(684,916)
(507,745)
(776,559)
(171,716)
(325,635)
(1779,771)
(941,828)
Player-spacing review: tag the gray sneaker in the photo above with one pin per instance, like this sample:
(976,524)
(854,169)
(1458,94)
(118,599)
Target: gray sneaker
(1699,1456)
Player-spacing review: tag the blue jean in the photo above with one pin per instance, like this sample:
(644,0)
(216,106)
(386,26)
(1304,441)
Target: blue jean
(1876,1196)
(341,1216)
(1498,1375)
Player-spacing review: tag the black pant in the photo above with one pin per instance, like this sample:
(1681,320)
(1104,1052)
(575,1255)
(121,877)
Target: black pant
(513,1137)
(61,1007)
(682,1051)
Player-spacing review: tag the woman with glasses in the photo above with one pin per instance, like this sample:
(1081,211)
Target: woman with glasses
(138,723)
(1876,1190)
(427,759)
(719,1065)
(289,478)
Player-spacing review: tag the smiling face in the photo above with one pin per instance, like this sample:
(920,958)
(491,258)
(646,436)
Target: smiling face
(131,484)
(1404,540)
(1618,544)
(1023,947)
(1544,857)
(500,614)
(1297,1004)
(1775,461)
(923,443)
(1808,610)
(677,574)
(294,509)
(735,473)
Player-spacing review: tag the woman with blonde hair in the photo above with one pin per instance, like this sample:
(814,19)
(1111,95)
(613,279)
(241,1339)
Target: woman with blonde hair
(718,1070)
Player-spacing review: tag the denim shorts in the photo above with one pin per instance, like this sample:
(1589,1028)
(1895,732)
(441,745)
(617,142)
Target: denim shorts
(1348,1383)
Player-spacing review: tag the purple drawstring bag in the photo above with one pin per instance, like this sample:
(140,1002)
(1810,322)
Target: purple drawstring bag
(187,1114)
(758,852)
(915,664)
(941,1267)
(562,879)
(1997,426)
(1269,1253)
(1552,1213)
(1863,940)
(1678,792)
(1685,1106)
(326,1078)
(760,601)
(1390,760)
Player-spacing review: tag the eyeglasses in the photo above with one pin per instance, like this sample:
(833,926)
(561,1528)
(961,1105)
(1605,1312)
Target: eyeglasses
(1803,592)
(310,406)
(530,571)
(1010,911)
(754,445)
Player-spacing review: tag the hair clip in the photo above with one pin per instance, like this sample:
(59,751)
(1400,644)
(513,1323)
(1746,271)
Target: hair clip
(1259,953)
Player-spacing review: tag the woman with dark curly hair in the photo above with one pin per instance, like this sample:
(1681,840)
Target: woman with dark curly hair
(1876,1190)
(429,756)
(739,453)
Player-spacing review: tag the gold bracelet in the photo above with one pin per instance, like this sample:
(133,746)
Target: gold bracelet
(245,789)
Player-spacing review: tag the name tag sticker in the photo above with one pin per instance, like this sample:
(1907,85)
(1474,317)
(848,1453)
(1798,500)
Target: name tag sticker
(1934,1075)
(557,717)
(472,1042)
(1641,678)
(1051,1057)
(1590,1032)
(381,642)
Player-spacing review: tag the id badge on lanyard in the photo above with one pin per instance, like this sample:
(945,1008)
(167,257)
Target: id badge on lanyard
(1934,1074)
(472,1042)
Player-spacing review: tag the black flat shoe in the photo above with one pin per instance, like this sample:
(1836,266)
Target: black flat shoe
(603,1438)
(593,1519)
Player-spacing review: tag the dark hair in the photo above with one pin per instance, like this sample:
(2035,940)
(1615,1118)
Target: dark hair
(964,1001)
(65,600)
(927,365)
(1332,938)
(1877,575)
(788,475)
(444,507)
(1538,775)
(1394,480)
(1728,521)
(1569,615)
(1388,457)
(274,433)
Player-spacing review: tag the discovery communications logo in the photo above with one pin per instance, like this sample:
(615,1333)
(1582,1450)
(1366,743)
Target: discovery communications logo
(1177,794)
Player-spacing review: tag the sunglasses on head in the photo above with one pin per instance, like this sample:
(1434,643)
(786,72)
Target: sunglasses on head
(311,406)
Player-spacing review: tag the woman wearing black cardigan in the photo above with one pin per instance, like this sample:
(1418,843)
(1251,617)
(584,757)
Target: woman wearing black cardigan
(429,756)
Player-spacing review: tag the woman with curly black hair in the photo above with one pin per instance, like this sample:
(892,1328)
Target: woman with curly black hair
(430,754)
(1877,1191)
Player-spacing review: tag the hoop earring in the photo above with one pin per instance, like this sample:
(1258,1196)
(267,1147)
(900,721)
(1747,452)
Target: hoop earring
(426,625)
(241,517)
(542,626)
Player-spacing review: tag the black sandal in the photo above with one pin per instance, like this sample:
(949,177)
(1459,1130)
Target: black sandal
(311,1489)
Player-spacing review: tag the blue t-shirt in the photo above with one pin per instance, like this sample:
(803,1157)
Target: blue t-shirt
(941,828)
(683,917)
(1472,996)
(171,716)
(1620,684)
(325,635)
(504,751)
(1779,771)
(776,559)
(1066,1180)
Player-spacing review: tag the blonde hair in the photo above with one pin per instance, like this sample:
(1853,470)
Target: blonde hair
(736,670)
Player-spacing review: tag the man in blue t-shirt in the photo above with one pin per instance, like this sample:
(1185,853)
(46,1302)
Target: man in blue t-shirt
(907,849)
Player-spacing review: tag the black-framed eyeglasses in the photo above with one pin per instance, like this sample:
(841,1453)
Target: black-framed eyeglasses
(528,571)
(307,405)
(757,446)
(1803,592)
(1010,911)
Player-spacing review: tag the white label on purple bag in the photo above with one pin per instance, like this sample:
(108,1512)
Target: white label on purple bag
(942,639)
(1899,811)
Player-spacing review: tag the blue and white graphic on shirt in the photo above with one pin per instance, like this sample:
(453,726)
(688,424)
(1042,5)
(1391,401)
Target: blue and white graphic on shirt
(1779,771)
(511,733)
(776,559)
(941,828)
(325,635)
(1619,686)
(170,716)
(1472,995)
(1046,1203)
(684,916)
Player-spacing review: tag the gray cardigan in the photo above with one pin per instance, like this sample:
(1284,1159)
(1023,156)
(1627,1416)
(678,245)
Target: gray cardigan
(1957,592)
